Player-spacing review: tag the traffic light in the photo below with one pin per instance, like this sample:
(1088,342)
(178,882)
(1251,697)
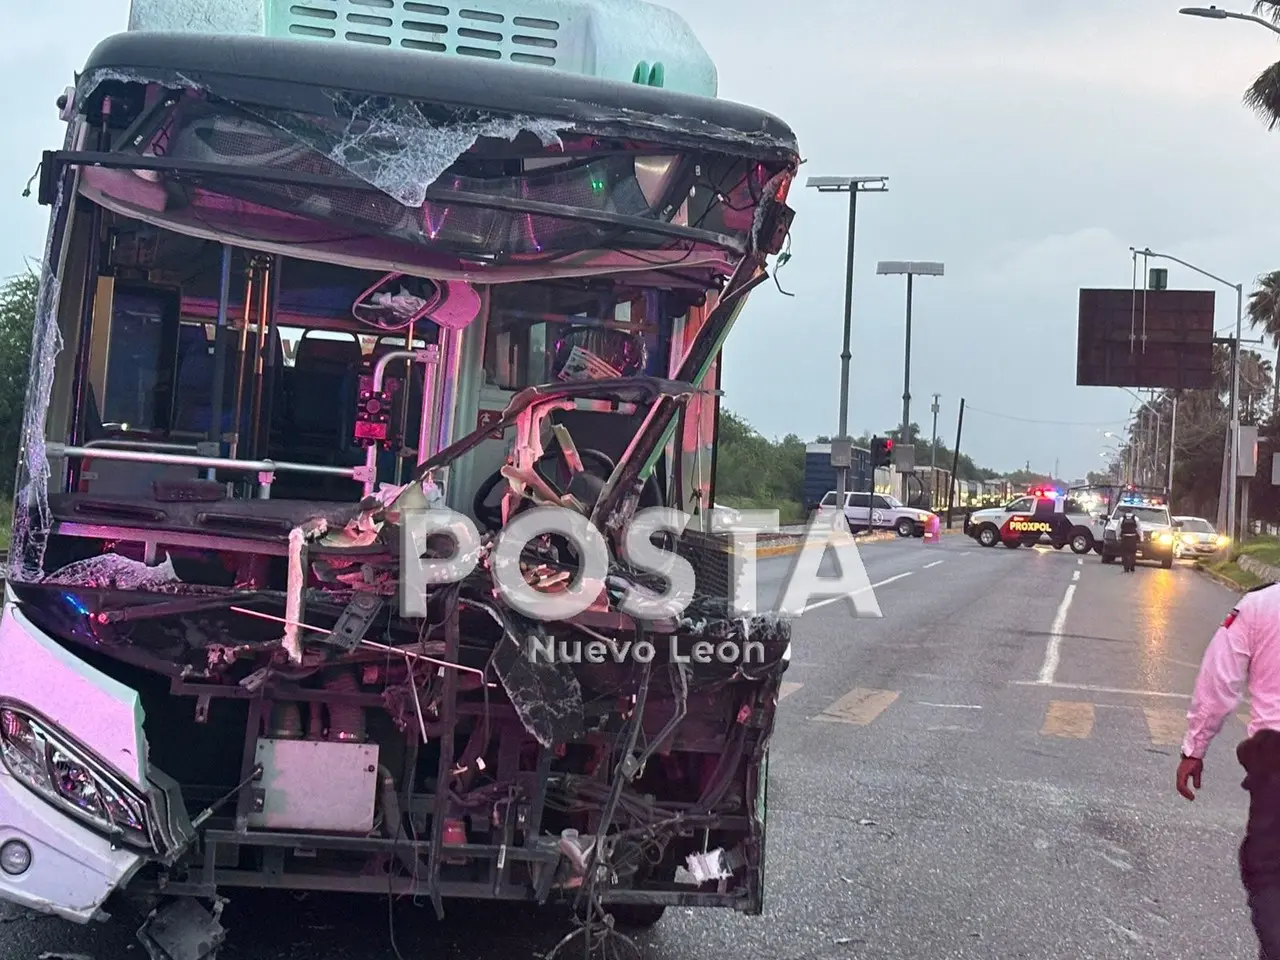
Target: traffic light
(881,451)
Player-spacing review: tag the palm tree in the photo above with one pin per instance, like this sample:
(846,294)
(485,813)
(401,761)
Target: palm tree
(1264,312)
(1263,96)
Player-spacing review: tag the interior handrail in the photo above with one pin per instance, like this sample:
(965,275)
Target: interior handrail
(155,445)
(266,469)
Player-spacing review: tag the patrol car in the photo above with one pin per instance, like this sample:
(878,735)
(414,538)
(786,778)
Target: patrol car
(1044,513)
(1156,530)
(1197,538)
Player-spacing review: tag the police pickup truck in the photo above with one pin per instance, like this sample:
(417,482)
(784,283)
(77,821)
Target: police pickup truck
(1156,532)
(1040,515)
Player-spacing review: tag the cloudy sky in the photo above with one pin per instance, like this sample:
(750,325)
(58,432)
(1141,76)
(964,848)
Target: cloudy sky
(1028,145)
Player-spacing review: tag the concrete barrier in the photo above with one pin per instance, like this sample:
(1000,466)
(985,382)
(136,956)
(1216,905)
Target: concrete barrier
(1263,571)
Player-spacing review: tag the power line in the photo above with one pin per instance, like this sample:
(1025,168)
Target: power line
(1057,423)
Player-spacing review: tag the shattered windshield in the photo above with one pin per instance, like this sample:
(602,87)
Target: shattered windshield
(419,185)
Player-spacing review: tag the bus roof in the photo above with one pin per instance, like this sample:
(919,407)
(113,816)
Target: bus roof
(301,76)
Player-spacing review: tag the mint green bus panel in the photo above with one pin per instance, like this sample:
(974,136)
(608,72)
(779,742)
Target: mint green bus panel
(630,41)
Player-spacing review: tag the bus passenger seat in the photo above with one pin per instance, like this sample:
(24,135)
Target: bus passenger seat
(324,386)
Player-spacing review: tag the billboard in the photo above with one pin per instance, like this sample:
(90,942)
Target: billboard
(1160,339)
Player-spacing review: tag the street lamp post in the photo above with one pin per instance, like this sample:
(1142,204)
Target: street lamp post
(1229,480)
(1230,465)
(1213,13)
(912,269)
(852,186)
(933,440)
(933,451)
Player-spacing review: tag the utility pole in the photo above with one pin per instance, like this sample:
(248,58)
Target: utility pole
(955,466)
(933,453)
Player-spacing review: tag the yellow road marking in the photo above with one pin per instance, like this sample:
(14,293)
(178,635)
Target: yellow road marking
(1068,719)
(788,687)
(859,706)
(1166,727)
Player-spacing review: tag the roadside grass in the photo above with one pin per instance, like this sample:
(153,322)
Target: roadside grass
(1263,549)
(1228,570)
(6,523)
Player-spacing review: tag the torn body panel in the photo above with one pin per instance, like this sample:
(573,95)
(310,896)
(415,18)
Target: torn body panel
(244,273)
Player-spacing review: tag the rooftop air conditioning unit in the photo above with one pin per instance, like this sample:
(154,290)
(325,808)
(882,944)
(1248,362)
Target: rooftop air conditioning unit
(630,41)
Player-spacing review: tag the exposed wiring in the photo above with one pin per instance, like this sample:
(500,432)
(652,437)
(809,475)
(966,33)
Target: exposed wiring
(783,259)
(595,926)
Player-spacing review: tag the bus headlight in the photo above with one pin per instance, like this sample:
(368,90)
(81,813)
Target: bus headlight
(69,779)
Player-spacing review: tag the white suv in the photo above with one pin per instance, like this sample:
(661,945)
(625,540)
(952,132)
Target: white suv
(878,512)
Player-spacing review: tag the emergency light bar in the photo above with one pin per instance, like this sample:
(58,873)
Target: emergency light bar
(1138,500)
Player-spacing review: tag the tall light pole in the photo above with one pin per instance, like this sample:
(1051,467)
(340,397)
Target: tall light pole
(841,454)
(1229,466)
(933,453)
(1213,13)
(1233,441)
(933,440)
(912,269)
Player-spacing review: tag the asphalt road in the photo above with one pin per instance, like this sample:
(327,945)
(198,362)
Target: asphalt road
(985,772)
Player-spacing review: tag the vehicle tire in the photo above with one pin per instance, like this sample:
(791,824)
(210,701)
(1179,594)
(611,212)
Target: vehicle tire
(988,535)
(1081,542)
(1167,562)
(636,916)
(905,527)
(1013,544)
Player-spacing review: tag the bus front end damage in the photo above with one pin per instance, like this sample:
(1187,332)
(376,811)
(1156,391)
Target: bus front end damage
(211,680)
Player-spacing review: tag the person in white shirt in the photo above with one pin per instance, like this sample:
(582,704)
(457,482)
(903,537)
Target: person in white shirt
(1246,648)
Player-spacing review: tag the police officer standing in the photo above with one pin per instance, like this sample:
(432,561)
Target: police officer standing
(1129,541)
(1246,647)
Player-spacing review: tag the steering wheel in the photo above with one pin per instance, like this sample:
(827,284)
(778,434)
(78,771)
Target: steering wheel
(597,468)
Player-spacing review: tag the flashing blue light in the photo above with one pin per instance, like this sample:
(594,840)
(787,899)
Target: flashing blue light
(71,600)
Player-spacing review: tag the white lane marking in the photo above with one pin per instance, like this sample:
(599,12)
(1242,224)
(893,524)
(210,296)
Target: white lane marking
(934,564)
(950,706)
(1091,689)
(1080,562)
(1075,576)
(965,553)
(788,687)
(1054,648)
(823,603)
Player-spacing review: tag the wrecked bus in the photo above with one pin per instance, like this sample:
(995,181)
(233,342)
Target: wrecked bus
(297,292)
